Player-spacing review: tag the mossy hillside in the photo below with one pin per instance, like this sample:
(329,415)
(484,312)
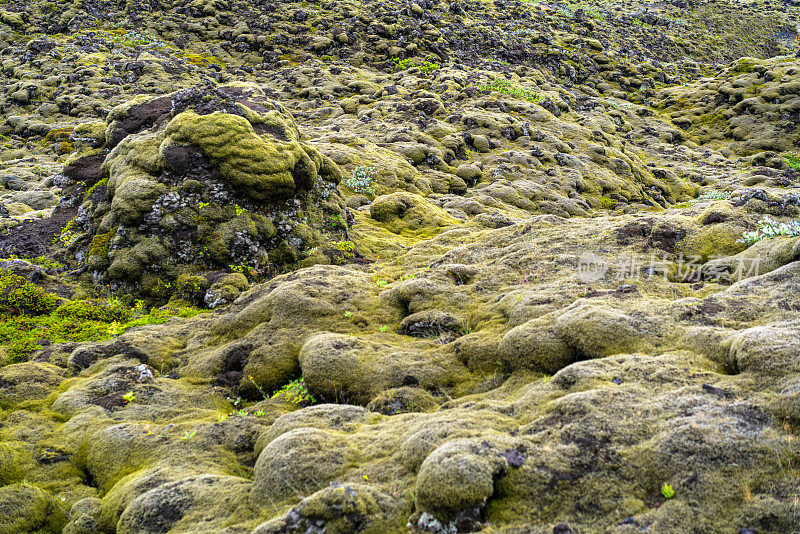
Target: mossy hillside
(720,111)
(583,396)
(650,379)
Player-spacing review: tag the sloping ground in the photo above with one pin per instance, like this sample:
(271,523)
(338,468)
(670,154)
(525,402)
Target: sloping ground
(471,267)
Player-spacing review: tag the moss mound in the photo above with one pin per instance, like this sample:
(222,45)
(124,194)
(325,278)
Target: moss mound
(216,181)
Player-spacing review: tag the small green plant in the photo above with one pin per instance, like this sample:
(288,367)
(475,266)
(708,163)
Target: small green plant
(383,328)
(337,221)
(246,270)
(260,413)
(667,491)
(188,435)
(296,392)
(346,246)
(401,64)
(222,417)
(362,179)
(793,159)
(129,397)
(239,209)
(263,393)
(768,228)
(428,66)
(348,314)
(501,85)
(114,329)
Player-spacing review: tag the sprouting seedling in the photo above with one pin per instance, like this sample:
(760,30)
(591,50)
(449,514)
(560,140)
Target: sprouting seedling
(129,397)
(348,314)
(383,328)
(222,417)
(260,413)
(263,393)
(189,435)
(667,491)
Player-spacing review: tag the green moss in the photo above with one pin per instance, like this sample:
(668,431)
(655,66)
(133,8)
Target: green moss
(191,287)
(91,190)
(10,462)
(203,60)
(302,460)
(408,213)
(26,508)
(100,243)
(129,263)
(259,168)
(456,476)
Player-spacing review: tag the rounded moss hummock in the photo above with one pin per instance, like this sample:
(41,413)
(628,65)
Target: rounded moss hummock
(203,182)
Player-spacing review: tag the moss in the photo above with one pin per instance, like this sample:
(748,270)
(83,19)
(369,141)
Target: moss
(201,59)
(535,346)
(100,243)
(57,135)
(26,508)
(349,508)
(595,331)
(256,167)
(299,462)
(337,367)
(27,384)
(12,19)
(225,236)
(712,240)
(191,287)
(90,133)
(457,477)
(11,461)
(130,263)
(406,213)
(218,502)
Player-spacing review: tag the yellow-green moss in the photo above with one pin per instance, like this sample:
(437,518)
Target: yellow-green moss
(259,168)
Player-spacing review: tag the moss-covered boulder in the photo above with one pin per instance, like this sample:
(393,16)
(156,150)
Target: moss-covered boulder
(212,499)
(207,180)
(298,462)
(26,508)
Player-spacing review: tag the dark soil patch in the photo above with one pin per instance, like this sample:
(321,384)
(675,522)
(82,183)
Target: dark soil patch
(35,238)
